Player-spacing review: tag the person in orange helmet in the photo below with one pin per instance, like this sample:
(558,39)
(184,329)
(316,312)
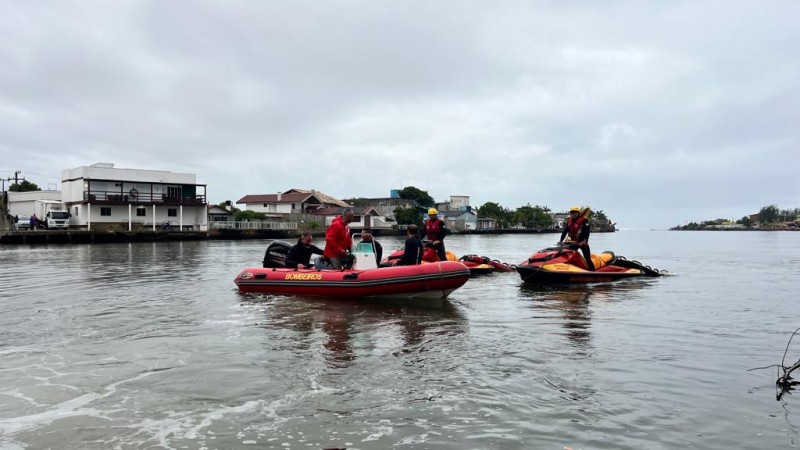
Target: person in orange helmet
(577,227)
(435,229)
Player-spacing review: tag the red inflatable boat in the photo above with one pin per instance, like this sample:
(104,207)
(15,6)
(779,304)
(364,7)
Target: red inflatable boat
(433,281)
(477,265)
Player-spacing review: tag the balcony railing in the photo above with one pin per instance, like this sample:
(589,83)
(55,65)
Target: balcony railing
(258,225)
(136,197)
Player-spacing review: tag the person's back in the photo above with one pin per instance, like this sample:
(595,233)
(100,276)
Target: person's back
(412,253)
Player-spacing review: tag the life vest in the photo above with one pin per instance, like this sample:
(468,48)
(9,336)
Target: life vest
(433,229)
(574,227)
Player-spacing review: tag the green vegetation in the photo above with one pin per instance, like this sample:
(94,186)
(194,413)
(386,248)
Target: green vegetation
(533,217)
(406,216)
(240,215)
(420,198)
(495,211)
(24,186)
(310,226)
(768,214)
(357,202)
(768,217)
(224,205)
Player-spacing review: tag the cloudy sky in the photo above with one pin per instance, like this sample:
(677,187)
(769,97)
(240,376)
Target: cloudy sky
(655,112)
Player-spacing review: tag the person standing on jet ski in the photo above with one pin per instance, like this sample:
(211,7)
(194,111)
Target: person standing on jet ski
(299,256)
(578,229)
(435,230)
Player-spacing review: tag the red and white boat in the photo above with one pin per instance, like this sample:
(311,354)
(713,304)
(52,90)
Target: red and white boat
(431,282)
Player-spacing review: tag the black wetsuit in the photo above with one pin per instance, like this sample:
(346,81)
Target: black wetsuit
(412,253)
(301,254)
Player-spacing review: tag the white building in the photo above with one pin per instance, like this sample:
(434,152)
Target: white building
(459,202)
(133,198)
(293,201)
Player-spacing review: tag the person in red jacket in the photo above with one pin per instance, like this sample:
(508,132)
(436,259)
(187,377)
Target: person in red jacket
(435,230)
(578,229)
(337,239)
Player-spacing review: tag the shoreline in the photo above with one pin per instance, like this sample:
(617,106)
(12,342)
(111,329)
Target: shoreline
(38,237)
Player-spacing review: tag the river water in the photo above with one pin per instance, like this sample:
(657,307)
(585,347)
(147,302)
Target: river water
(150,345)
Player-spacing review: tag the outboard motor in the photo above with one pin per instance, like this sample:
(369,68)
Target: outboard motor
(275,255)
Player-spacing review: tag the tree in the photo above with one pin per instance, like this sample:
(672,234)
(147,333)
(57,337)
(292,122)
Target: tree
(224,205)
(768,214)
(358,202)
(746,221)
(600,217)
(24,186)
(248,215)
(405,216)
(494,211)
(533,217)
(418,196)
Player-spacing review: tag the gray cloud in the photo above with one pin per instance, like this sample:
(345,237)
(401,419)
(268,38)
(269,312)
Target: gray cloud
(655,113)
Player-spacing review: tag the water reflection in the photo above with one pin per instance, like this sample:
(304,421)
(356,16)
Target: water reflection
(139,261)
(344,330)
(575,304)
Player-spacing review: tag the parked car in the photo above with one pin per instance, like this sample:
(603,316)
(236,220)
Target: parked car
(23,223)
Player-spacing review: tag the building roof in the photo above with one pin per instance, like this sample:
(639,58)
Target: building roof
(273,198)
(359,211)
(457,213)
(325,198)
(214,209)
(293,196)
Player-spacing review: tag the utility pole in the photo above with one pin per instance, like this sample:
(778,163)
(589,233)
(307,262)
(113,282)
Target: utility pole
(16,176)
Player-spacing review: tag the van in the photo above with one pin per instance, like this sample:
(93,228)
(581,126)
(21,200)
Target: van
(23,223)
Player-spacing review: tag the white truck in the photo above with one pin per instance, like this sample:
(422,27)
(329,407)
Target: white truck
(53,215)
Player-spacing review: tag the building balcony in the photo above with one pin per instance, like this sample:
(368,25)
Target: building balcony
(141,198)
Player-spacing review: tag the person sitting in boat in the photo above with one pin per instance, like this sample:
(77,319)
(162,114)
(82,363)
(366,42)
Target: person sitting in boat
(338,240)
(412,253)
(578,229)
(435,230)
(366,237)
(299,256)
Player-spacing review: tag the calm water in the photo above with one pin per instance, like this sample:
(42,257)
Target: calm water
(151,346)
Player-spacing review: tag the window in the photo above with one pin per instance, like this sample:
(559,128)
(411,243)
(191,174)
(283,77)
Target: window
(105,211)
(294,206)
(173,192)
(141,212)
(172,212)
(76,212)
(356,218)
